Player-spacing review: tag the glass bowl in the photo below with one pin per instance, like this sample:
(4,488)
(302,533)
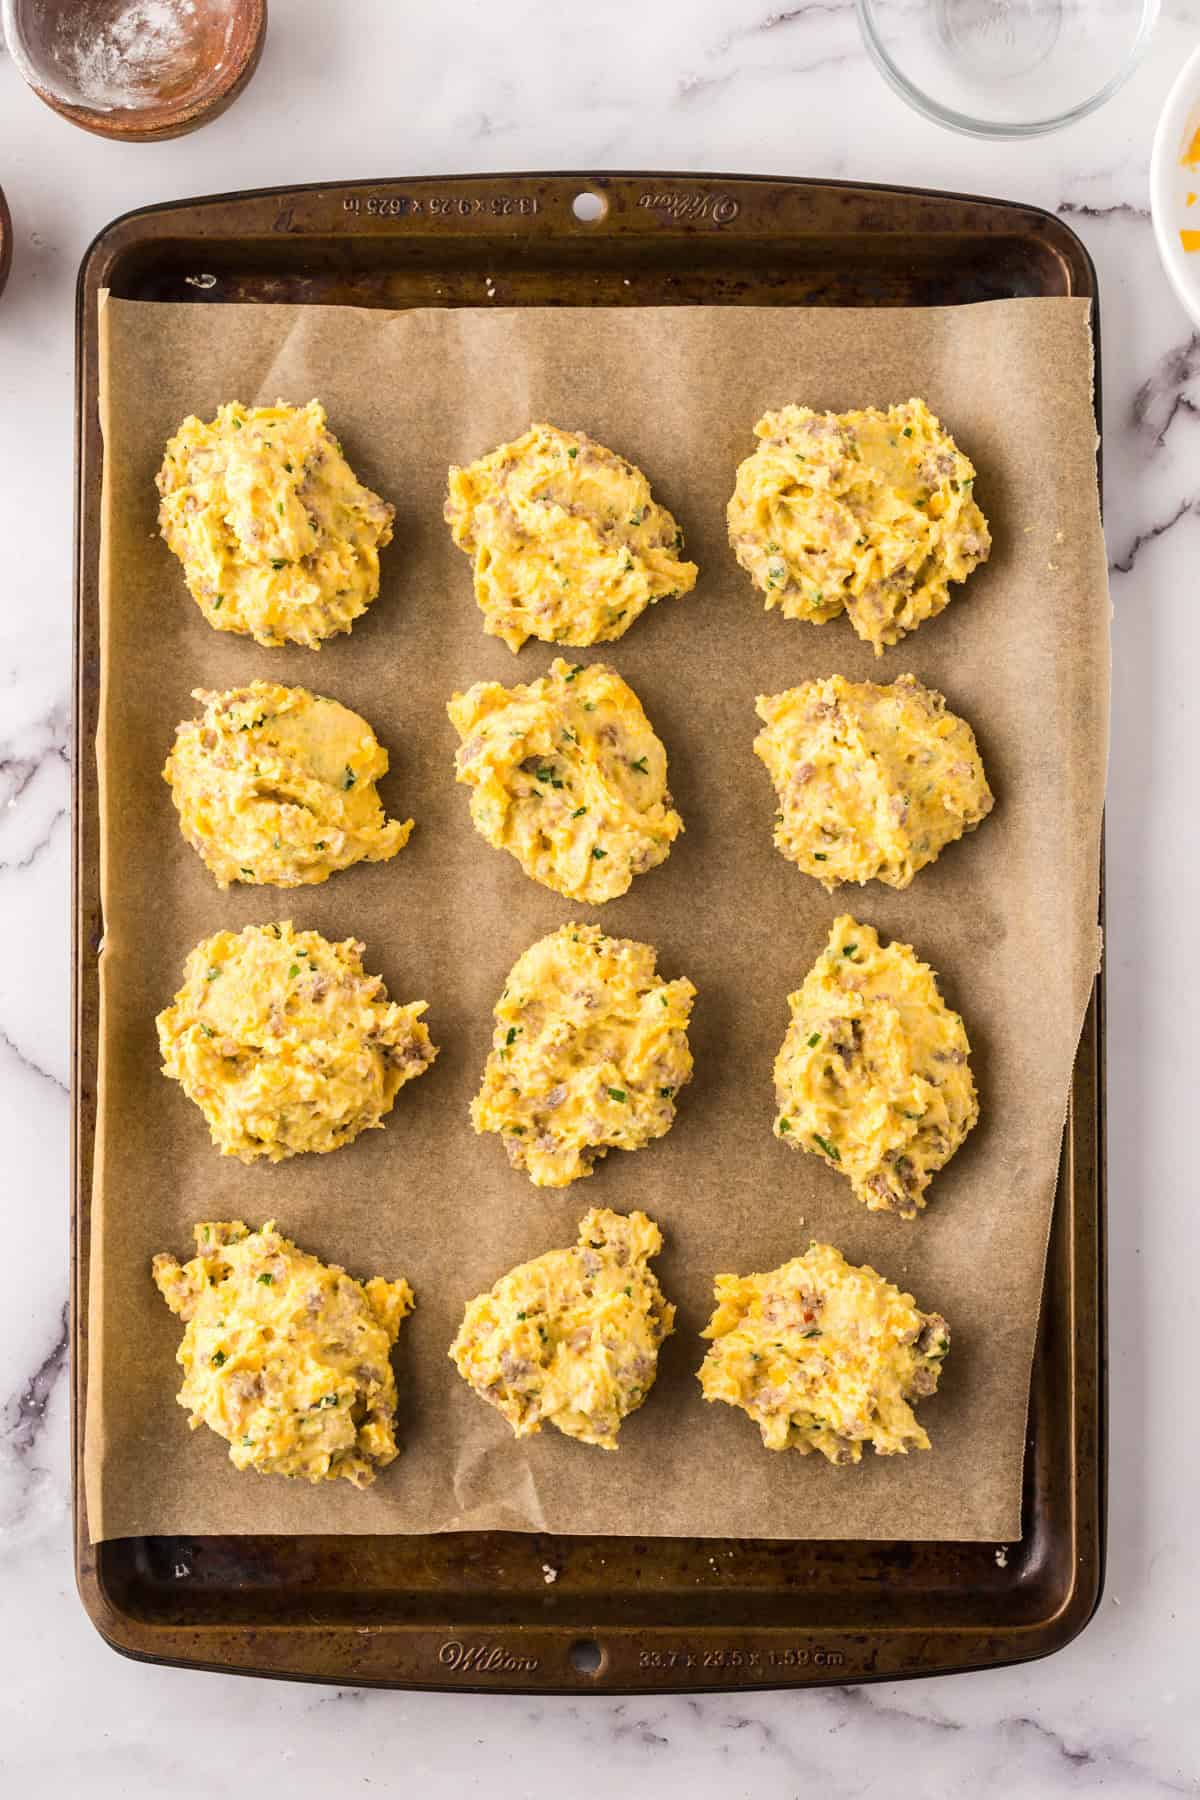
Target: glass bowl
(1006,68)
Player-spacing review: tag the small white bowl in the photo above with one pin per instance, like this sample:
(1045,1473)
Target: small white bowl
(1175,185)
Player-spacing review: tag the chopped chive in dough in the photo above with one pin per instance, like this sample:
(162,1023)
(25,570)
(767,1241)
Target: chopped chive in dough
(831,1150)
(618,1094)
(267,1280)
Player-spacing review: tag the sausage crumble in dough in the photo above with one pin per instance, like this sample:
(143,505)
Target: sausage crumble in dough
(572,1338)
(568,776)
(284,1356)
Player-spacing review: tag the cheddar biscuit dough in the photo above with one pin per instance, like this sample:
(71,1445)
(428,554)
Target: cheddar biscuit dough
(567,543)
(589,1052)
(824,1356)
(286,1044)
(873,782)
(568,776)
(276,786)
(278,538)
(284,1356)
(572,1338)
(873,1073)
(869,513)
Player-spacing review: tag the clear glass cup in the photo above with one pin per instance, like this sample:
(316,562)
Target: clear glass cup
(1006,68)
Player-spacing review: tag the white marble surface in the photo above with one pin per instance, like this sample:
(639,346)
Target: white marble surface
(377,89)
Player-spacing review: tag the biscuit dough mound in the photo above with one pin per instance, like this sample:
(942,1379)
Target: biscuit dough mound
(278,538)
(589,1051)
(872,1075)
(873,782)
(568,776)
(284,1356)
(276,786)
(567,543)
(869,513)
(286,1044)
(824,1356)
(572,1338)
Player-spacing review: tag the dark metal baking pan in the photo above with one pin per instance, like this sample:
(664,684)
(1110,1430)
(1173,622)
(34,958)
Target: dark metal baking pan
(476,1610)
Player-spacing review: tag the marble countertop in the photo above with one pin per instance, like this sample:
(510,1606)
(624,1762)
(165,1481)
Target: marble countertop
(379,89)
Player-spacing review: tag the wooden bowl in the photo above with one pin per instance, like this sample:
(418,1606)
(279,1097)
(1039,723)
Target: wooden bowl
(136,70)
(5,240)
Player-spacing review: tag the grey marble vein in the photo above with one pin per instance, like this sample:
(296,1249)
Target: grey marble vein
(1120,209)
(696,87)
(40,846)
(1161,397)
(1123,564)
(871,1700)
(25,1413)
(24,750)
(773,22)
(794,14)
(27,1062)
(1105,1758)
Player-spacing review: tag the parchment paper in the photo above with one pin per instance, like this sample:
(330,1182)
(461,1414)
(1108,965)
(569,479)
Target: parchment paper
(1007,917)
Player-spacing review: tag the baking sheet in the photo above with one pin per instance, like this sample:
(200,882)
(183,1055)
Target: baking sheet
(1007,917)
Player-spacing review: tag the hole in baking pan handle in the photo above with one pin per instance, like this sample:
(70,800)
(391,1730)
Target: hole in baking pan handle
(587,1657)
(589,207)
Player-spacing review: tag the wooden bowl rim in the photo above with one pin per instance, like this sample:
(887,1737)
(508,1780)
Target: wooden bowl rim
(6,240)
